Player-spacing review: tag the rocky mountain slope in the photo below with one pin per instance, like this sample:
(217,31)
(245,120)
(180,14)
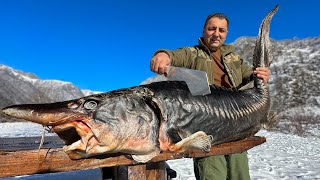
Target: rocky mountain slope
(294,83)
(17,87)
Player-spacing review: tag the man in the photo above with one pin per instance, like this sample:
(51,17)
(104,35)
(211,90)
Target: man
(224,68)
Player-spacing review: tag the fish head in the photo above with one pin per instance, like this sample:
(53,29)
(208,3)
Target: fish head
(97,124)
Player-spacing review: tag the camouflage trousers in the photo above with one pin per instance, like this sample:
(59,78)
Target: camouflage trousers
(224,167)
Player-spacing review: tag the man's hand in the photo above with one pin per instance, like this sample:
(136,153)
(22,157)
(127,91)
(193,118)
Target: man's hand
(159,63)
(263,73)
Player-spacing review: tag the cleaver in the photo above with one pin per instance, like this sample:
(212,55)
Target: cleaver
(197,81)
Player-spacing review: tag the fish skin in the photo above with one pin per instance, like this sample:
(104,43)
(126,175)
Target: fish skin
(162,116)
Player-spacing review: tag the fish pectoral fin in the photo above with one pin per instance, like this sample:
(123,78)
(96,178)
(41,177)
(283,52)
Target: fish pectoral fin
(142,158)
(199,140)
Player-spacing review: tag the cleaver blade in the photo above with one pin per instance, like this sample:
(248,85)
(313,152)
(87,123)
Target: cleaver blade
(197,81)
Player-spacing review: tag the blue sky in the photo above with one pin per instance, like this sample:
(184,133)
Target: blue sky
(105,45)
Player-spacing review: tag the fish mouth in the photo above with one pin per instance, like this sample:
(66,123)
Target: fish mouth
(68,133)
(70,126)
(77,135)
(74,128)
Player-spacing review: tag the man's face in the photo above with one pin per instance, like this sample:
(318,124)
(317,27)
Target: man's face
(215,33)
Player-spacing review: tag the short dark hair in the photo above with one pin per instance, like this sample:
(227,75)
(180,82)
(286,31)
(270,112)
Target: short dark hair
(217,15)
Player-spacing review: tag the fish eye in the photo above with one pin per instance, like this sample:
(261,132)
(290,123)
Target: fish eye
(90,104)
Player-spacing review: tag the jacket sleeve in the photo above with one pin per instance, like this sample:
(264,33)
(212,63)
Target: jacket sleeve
(181,57)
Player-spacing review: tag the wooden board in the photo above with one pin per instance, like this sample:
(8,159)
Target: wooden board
(23,162)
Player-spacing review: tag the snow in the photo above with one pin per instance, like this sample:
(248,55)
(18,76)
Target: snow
(18,74)
(305,50)
(55,82)
(87,92)
(313,55)
(31,80)
(21,129)
(285,156)
(282,157)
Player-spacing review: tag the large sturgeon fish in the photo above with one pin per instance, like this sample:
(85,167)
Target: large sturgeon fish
(162,116)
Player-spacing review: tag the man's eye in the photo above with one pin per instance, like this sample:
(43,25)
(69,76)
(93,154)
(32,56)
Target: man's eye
(222,30)
(212,28)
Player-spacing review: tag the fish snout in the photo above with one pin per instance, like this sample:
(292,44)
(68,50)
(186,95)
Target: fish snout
(15,111)
(22,112)
(35,113)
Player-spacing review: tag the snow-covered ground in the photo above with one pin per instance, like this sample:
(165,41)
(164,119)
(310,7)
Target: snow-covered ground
(283,156)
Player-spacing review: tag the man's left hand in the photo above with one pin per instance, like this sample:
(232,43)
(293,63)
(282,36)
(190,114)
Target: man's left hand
(263,73)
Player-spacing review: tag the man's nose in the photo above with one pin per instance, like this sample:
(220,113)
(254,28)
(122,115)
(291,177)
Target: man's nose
(216,33)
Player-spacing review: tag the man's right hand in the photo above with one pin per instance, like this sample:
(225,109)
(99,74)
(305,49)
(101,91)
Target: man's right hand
(160,62)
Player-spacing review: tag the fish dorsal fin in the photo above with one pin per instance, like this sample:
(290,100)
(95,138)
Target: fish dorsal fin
(145,157)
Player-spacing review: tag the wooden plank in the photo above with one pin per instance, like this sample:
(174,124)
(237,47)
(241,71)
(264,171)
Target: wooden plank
(25,162)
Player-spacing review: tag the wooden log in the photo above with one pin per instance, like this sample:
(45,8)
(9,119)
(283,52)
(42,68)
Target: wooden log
(23,162)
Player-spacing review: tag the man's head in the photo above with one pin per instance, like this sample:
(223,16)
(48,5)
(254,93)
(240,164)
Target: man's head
(215,30)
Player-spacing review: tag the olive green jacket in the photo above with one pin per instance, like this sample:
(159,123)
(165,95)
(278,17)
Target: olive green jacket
(199,58)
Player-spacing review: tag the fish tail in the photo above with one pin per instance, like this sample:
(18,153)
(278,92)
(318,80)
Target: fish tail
(262,52)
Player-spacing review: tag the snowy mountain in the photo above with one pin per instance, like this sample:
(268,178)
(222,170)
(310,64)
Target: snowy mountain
(294,83)
(17,87)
